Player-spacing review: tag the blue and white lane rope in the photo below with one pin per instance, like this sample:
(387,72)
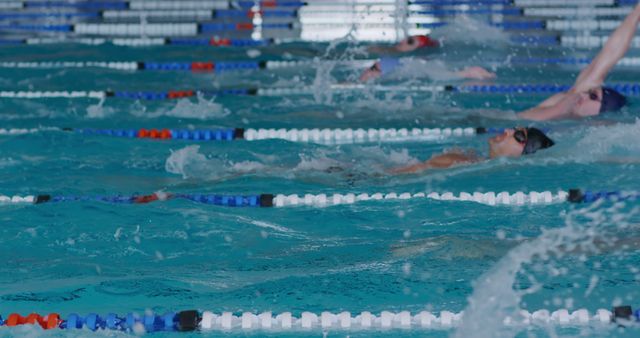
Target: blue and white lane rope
(577,12)
(249,65)
(223,66)
(326,200)
(304,135)
(146,29)
(631,89)
(193,66)
(527,40)
(190,29)
(194,320)
(147,4)
(195,14)
(142,42)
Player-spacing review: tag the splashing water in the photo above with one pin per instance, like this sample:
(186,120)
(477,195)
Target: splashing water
(467,30)
(604,140)
(99,111)
(189,162)
(202,109)
(495,299)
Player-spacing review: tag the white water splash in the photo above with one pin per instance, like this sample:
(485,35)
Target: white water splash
(602,141)
(202,109)
(494,299)
(188,162)
(99,111)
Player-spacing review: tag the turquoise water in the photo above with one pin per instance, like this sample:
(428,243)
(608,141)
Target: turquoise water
(394,255)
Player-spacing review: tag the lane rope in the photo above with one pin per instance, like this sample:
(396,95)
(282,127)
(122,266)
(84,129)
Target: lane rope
(193,320)
(490,198)
(193,66)
(304,135)
(624,88)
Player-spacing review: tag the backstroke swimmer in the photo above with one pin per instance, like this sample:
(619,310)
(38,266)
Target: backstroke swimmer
(588,96)
(511,143)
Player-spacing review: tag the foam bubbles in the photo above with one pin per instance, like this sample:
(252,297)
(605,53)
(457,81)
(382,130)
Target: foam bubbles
(185,161)
(201,109)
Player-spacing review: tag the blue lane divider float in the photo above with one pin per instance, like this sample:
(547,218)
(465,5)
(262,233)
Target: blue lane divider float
(472,11)
(13,16)
(36,28)
(515,25)
(531,40)
(79,4)
(264,200)
(460,2)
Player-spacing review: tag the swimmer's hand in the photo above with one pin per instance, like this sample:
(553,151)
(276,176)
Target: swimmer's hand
(476,73)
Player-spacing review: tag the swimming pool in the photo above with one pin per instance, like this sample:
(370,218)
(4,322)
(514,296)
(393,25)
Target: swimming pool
(82,255)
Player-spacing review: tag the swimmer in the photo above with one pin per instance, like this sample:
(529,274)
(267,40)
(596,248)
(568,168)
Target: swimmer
(511,143)
(387,65)
(588,96)
(406,45)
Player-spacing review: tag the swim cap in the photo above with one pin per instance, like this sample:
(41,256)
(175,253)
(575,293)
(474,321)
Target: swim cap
(536,140)
(611,100)
(387,65)
(425,41)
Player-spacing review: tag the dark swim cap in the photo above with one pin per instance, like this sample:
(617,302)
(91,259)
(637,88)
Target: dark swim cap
(611,100)
(536,139)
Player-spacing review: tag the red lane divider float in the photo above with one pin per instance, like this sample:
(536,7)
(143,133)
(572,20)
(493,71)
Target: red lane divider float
(50,321)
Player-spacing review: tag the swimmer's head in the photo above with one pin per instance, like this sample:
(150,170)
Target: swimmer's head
(414,42)
(599,100)
(612,100)
(517,142)
(382,67)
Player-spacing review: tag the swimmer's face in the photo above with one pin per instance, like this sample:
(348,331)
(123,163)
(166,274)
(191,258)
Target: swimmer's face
(407,45)
(589,103)
(508,144)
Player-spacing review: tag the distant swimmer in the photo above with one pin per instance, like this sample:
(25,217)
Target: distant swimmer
(387,65)
(511,143)
(406,45)
(588,96)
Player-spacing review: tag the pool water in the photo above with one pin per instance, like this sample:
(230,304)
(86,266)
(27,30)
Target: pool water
(414,255)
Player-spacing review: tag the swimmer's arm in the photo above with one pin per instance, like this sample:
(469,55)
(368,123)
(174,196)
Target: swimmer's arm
(563,108)
(377,49)
(615,48)
(436,162)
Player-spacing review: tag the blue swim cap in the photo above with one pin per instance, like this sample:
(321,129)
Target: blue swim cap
(536,139)
(611,100)
(387,65)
